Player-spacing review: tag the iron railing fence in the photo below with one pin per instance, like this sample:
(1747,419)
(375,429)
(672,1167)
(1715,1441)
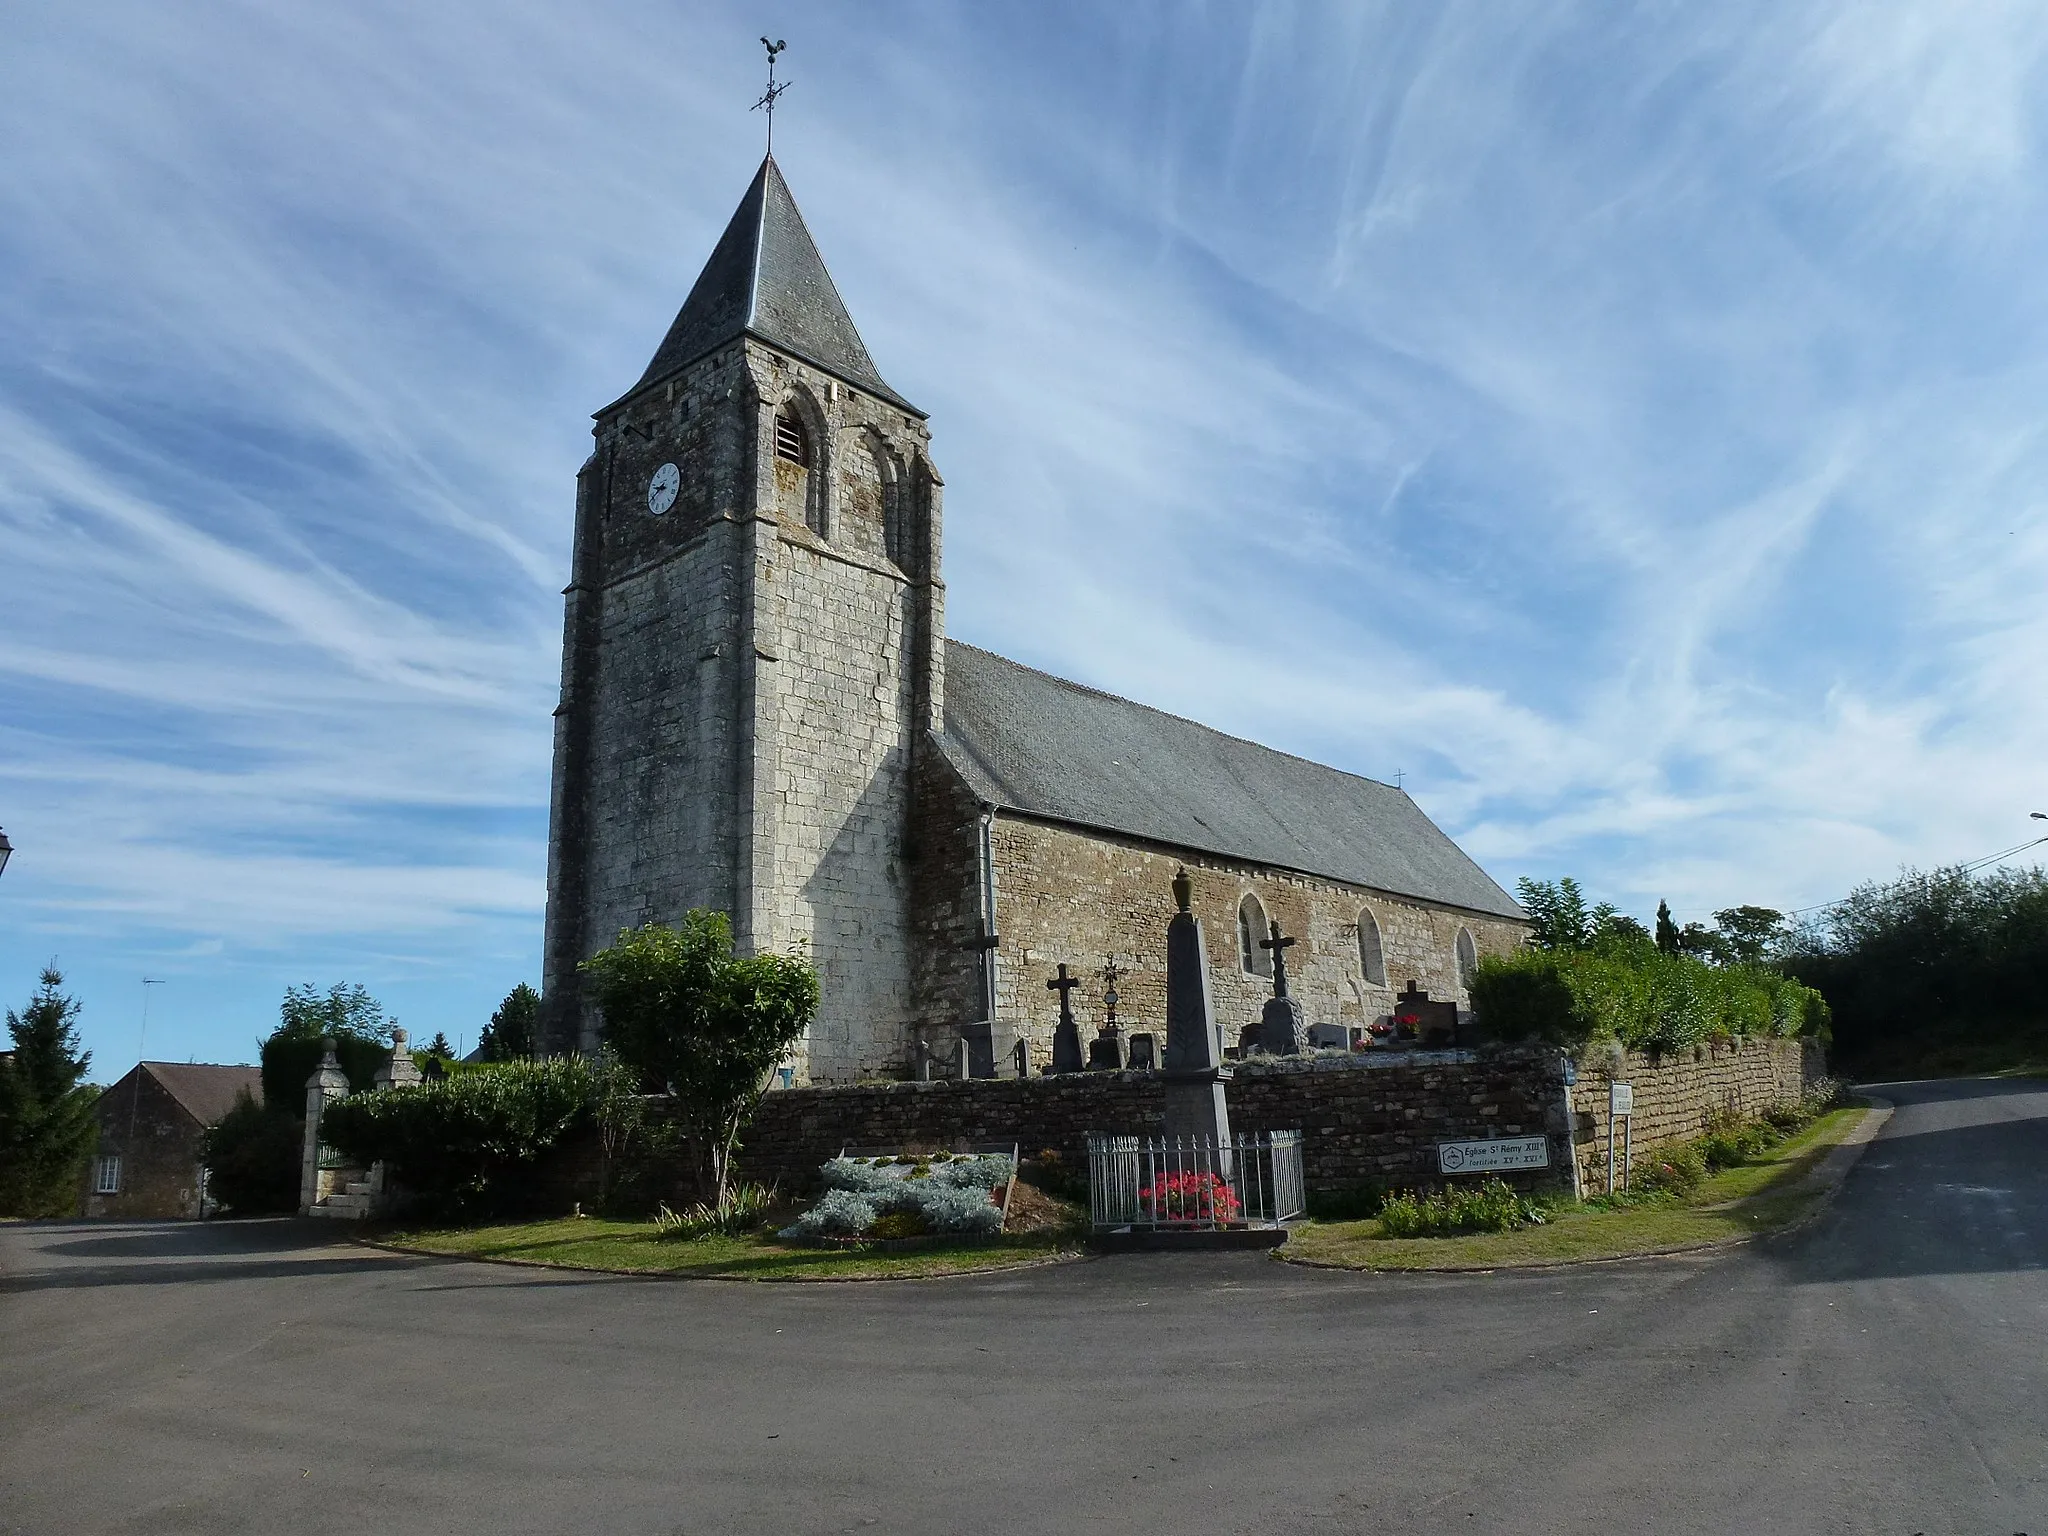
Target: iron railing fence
(1194,1184)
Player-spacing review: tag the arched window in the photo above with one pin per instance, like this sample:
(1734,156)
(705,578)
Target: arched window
(1251,928)
(791,441)
(799,493)
(1468,958)
(1372,959)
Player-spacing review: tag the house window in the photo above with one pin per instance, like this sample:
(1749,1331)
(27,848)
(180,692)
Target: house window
(1251,928)
(1468,958)
(106,1175)
(1372,959)
(790,443)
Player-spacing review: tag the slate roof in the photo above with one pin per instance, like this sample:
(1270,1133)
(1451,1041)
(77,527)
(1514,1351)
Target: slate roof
(1028,742)
(766,279)
(206,1092)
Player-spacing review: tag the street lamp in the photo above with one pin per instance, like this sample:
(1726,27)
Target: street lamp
(6,848)
(2036,815)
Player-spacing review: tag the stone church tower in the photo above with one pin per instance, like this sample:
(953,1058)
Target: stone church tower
(753,647)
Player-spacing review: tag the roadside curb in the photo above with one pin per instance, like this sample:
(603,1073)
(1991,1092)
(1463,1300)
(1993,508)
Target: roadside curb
(1825,1179)
(1044,1261)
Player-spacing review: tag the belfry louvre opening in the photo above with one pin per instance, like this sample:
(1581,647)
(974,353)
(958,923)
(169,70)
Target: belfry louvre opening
(789,439)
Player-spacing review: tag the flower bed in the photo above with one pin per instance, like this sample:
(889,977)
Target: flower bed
(907,1198)
(1190,1197)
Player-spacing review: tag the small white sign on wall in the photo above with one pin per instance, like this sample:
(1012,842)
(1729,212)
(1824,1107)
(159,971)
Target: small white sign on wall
(1493,1156)
(1621,1098)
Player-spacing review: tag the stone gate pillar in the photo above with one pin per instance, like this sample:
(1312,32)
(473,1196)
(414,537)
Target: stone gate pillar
(327,1084)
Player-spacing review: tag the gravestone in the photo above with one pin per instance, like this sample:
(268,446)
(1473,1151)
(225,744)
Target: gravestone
(1329,1037)
(1282,1031)
(1194,1069)
(980,1038)
(1431,1025)
(1106,1050)
(1066,1038)
(1144,1052)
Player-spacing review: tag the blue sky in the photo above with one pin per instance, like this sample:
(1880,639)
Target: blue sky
(1624,424)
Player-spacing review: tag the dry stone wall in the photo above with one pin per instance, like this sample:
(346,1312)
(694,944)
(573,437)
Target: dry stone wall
(1676,1097)
(1363,1118)
(1368,1118)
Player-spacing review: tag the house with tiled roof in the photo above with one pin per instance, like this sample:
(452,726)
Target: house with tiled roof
(147,1161)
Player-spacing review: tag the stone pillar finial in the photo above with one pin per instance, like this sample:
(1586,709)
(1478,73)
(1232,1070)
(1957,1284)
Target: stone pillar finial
(1183,890)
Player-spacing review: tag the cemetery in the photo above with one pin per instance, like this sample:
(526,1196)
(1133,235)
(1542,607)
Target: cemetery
(1174,1138)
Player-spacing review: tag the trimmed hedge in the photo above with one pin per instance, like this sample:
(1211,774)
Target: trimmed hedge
(1639,996)
(463,1143)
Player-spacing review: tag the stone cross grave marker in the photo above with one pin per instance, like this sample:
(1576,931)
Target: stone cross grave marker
(1429,1024)
(1066,1039)
(1281,1030)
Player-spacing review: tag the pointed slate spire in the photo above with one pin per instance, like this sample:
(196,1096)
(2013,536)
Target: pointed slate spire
(766,279)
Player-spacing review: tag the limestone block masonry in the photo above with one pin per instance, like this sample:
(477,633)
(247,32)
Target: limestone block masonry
(753,720)
(1082,898)
(746,678)
(1677,1096)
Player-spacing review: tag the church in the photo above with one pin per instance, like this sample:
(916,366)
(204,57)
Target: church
(761,714)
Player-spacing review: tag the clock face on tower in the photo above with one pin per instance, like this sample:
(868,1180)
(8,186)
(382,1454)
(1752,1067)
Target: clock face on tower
(661,490)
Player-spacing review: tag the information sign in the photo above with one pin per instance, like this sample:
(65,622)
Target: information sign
(1621,1098)
(1493,1156)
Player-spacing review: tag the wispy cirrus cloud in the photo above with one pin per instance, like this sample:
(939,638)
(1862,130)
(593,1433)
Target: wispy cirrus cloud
(1621,424)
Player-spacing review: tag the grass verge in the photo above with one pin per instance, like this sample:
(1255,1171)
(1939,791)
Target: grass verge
(1759,1197)
(632,1247)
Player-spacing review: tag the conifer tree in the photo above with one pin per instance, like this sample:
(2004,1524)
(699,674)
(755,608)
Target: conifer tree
(1667,930)
(47,1127)
(509,1035)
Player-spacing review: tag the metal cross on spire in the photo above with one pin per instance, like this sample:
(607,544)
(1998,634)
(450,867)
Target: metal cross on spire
(767,102)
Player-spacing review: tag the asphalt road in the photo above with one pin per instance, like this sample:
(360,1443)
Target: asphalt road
(1880,1371)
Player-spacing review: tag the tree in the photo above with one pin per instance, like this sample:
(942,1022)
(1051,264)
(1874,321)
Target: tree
(1557,908)
(1563,921)
(1750,934)
(1702,942)
(703,1024)
(345,1013)
(251,1155)
(1939,970)
(509,1035)
(346,1008)
(47,1126)
(1667,930)
(1612,929)
(439,1046)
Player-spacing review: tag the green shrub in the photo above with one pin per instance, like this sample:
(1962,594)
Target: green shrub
(744,1208)
(899,1224)
(703,1023)
(1730,1143)
(460,1145)
(1674,1170)
(1633,992)
(1488,1207)
(252,1155)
